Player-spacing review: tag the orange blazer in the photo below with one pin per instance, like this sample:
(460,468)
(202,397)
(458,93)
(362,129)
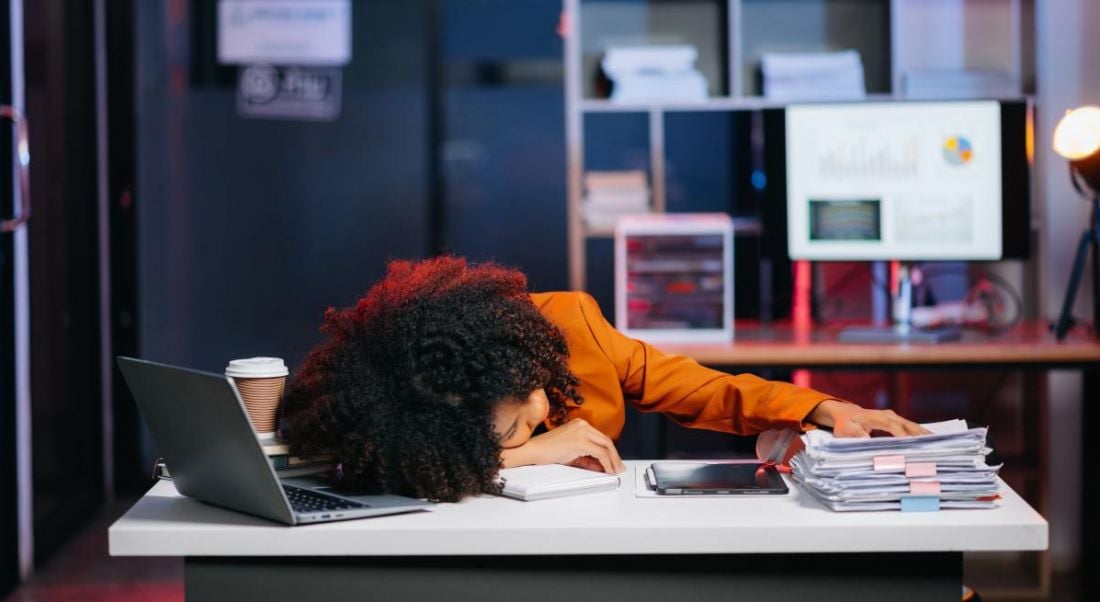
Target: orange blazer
(615,369)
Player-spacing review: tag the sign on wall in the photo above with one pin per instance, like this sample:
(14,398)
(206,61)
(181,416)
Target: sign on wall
(309,93)
(288,32)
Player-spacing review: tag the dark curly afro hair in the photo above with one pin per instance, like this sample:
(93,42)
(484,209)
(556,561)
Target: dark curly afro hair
(403,389)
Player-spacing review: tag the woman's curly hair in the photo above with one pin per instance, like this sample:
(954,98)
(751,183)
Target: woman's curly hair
(402,390)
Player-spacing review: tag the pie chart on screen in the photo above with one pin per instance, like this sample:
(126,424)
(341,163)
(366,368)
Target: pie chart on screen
(957,150)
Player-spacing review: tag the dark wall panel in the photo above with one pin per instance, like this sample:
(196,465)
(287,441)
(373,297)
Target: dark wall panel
(63,255)
(502,151)
(250,228)
(505,180)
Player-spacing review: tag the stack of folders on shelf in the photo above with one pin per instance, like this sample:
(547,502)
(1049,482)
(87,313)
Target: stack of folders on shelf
(813,76)
(959,83)
(610,195)
(655,73)
(946,469)
(287,465)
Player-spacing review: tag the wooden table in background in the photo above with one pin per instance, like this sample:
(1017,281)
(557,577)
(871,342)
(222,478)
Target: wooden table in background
(781,346)
(1030,347)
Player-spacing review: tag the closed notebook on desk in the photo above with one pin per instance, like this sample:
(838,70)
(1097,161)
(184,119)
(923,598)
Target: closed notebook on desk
(553,480)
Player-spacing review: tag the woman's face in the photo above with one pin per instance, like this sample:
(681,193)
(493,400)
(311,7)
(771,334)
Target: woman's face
(514,422)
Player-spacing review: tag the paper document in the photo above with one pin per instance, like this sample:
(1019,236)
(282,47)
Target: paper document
(879,473)
(654,73)
(813,76)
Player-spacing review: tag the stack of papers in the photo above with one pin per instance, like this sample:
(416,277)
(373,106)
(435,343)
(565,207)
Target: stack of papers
(813,76)
(654,73)
(610,195)
(959,83)
(946,467)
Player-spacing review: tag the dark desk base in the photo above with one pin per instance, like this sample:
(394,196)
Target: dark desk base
(669,578)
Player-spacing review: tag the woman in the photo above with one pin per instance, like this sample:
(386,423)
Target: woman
(445,372)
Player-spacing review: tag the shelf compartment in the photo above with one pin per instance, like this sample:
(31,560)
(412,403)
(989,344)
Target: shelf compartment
(795,26)
(701,23)
(949,35)
(708,163)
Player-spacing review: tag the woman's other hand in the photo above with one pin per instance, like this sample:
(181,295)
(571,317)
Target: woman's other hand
(575,443)
(850,420)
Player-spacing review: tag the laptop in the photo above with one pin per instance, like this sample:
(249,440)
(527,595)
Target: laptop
(203,432)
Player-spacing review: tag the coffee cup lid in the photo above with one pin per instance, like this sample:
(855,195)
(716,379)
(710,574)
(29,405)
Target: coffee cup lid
(256,367)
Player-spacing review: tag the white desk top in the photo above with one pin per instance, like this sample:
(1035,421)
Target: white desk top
(164,523)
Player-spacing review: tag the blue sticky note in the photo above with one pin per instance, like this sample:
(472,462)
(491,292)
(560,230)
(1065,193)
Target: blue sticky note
(920,503)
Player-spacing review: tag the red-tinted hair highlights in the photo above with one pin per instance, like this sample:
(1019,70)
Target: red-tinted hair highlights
(402,390)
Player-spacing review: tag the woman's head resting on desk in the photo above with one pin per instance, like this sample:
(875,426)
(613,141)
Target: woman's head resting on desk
(420,385)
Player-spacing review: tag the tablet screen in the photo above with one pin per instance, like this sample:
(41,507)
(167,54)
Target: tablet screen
(682,478)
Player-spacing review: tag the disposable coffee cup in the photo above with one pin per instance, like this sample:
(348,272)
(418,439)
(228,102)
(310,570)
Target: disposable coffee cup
(261,381)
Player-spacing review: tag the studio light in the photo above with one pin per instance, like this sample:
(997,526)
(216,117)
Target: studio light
(1077,138)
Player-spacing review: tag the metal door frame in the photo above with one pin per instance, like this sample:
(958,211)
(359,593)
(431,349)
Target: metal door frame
(21,304)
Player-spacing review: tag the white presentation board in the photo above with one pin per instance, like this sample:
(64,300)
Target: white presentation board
(894,180)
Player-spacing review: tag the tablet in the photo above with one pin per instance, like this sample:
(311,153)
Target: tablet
(684,478)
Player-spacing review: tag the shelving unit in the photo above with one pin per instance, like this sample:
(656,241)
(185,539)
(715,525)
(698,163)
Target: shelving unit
(894,37)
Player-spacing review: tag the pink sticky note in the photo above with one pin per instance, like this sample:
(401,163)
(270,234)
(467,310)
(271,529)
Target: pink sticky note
(889,463)
(920,469)
(924,487)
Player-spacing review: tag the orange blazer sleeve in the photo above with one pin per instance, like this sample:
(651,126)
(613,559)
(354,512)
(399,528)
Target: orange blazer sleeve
(693,395)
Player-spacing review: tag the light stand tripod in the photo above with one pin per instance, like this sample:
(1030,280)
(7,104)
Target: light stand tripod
(1090,240)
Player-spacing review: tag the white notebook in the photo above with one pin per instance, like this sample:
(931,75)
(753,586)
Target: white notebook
(553,480)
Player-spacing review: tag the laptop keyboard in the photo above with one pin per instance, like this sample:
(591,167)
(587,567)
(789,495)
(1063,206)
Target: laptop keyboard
(307,501)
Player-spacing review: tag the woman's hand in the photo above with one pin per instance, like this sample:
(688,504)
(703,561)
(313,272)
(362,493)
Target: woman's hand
(850,420)
(575,443)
